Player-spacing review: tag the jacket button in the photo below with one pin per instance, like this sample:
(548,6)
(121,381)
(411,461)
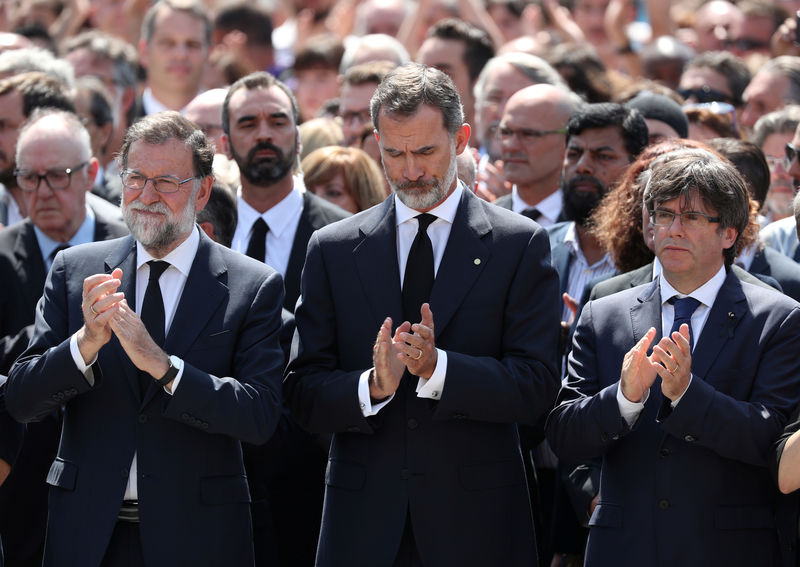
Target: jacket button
(665,452)
(413,423)
(142,418)
(663,504)
(689,439)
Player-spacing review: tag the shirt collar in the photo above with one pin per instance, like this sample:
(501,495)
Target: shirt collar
(152,105)
(705,294)
(278,218)
(181,257)
(549,207)
(84,234)
(446,210)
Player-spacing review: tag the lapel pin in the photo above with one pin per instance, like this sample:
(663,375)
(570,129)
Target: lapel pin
(477,261)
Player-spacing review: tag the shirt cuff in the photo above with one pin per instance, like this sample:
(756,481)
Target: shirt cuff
(432,387)
(630,410)
(674,403)
(178,362)
(364,401)
(85,369)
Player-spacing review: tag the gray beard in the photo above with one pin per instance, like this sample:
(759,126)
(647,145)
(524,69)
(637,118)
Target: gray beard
(413,194)
(158,236)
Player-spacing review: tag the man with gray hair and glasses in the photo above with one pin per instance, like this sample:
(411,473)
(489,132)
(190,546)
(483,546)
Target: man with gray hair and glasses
(161,350)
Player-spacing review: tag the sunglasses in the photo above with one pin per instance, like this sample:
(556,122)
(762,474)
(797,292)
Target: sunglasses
(791,154)
(720,108)
(704,94)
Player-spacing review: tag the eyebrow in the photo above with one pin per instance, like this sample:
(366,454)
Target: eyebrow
(276,114)
(414,151)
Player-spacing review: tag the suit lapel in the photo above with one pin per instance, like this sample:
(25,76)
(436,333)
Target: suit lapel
(646,313)
(29,256)
(728,310)
(464,259)
(124,257)
(561,258)
(759,264)
(297,256)
(375,258)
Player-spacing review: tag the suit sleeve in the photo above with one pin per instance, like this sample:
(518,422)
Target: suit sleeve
(586,420)
(322,397)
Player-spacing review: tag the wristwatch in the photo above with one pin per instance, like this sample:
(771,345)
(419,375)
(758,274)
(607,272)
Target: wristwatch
(175,365)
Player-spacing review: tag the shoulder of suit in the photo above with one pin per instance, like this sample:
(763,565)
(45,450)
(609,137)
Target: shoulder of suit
(318,209)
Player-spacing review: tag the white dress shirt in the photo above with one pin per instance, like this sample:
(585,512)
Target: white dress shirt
(549,208)
(580,272)
(439,232)
(282,220)
(84,234)
(706,294)
(171,282)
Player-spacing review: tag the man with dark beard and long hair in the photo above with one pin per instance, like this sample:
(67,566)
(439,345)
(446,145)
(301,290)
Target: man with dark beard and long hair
(276,218)
(602,141)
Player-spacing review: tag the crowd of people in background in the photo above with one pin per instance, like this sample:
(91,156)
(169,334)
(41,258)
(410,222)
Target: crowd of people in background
(628,132)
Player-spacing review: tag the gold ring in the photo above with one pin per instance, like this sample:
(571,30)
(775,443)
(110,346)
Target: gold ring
(420,355)
(91,308)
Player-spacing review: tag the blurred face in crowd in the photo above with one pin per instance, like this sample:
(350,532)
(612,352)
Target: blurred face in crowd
(764,94)
(11,119)
(354,110)
(447,55)
(781,185)
(502,81)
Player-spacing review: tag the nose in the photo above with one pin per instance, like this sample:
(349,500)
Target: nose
(585,164)
(148,194)
(412,171)
(263,132)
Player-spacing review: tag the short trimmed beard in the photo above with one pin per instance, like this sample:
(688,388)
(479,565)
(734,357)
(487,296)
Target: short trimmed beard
(263,173)
(424,195)
(157,236)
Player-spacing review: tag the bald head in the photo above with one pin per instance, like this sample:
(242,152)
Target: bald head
(205,110)
(533,138)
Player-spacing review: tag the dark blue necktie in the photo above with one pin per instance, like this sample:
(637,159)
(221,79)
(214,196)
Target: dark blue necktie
(684,308)
(152,314)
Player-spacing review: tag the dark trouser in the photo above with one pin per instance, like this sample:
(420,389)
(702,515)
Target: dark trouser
(407,555)
(125,547)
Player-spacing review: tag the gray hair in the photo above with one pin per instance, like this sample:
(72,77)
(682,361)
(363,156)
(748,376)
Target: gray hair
(378,42)
(190,7)
(156,129)
(122,55)
(535,68)
(71,121)
(789,67)
(36,59)
(407,88)
(783,121)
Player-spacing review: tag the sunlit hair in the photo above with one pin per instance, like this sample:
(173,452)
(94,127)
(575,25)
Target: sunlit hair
(363,178)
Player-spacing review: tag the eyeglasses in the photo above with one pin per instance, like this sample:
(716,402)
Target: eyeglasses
(361,116)
(718,108)
(165,184)
(56,179)
(773,162)
(704,94)
(791,155)
(525,135)
(689,219)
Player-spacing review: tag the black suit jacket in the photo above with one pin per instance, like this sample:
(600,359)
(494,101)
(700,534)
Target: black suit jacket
(453,464)
(770,262)
(317,212)
(504,201)
(23,497)
(193,493)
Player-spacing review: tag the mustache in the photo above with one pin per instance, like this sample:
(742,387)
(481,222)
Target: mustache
(405,185)
(581,179)
(156,207)
(264,146)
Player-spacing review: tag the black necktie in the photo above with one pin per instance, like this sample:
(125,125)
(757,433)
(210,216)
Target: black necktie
(418,279)
(57,249)
(684,308)
(533,213)
(257,247)
(153,312)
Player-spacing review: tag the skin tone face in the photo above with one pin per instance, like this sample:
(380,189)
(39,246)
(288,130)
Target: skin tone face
(175,57)
(532,161)
(11,118)
(50,146)
(714,23)
(263,138)
(447,55)
(597,153)
(690,257)
(502,81)
(161,221)
(336,192)
(659,131)
(764,94)
(354,110)
(314,87)
(589,15)
(419,156)
(794,167)
(205,110)
(781,186)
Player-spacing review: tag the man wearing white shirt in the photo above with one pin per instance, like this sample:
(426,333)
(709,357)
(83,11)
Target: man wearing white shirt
(533,140)
(276,214)
(162,351)
(682,385)
(425,464)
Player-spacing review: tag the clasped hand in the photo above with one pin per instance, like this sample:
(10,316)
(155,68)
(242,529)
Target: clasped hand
(411,347)
(105,311)
(671,359)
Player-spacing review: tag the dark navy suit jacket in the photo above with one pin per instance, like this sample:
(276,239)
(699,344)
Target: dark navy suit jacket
(193,492)
(690,486)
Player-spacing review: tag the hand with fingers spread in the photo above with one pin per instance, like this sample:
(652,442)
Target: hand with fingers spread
(137,343)
(638,372)
(388,369)
(99,304)
(416,345)
(672,359)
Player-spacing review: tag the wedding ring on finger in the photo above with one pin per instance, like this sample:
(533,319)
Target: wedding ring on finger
(419,355)
(91,308)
